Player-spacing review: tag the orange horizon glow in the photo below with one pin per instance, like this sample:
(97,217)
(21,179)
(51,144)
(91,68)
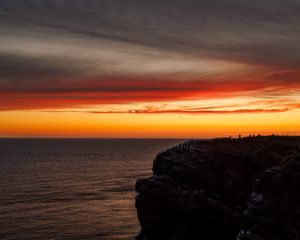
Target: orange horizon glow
(123,74)
(147,109)
(85,125)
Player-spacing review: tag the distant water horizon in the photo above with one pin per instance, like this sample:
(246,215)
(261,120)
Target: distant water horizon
(73,188)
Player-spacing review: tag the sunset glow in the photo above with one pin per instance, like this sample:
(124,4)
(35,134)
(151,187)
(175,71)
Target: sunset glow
(119,74)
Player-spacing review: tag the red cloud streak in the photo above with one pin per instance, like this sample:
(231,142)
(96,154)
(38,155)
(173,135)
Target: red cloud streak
(63,94)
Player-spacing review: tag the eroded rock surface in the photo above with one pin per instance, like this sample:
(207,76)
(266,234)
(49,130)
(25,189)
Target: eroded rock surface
(242,189)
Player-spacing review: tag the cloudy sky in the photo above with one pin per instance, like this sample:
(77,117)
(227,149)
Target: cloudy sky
(137,68)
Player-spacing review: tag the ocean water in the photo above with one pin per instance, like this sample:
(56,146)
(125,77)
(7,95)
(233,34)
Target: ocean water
(72,189)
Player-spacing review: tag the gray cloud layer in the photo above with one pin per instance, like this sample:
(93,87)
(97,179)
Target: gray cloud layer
(251,31)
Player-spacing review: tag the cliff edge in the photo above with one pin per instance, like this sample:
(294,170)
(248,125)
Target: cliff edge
(239,189)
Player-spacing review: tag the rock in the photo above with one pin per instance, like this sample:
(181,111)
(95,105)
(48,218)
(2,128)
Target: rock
(240,189)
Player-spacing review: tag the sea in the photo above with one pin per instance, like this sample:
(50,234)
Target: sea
(73,188)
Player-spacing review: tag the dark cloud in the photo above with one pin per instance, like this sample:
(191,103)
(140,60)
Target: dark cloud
(179,111)
(18,66)
(250,31)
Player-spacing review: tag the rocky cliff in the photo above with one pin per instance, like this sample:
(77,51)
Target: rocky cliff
(239,189)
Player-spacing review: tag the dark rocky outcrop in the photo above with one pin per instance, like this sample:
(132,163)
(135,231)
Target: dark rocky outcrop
(239,189)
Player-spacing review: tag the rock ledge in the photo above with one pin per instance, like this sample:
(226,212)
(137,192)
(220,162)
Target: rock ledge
(239,189)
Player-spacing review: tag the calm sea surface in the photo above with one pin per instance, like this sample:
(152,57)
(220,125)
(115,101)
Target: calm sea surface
(72,189)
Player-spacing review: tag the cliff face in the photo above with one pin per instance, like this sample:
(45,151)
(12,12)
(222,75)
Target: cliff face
(242,189)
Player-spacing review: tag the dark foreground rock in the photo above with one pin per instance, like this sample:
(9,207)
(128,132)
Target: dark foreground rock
(239,189)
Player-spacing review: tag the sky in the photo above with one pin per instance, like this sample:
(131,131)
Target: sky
(137,68)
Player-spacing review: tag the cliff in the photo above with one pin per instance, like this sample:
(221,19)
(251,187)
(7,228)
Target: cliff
(239,189)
